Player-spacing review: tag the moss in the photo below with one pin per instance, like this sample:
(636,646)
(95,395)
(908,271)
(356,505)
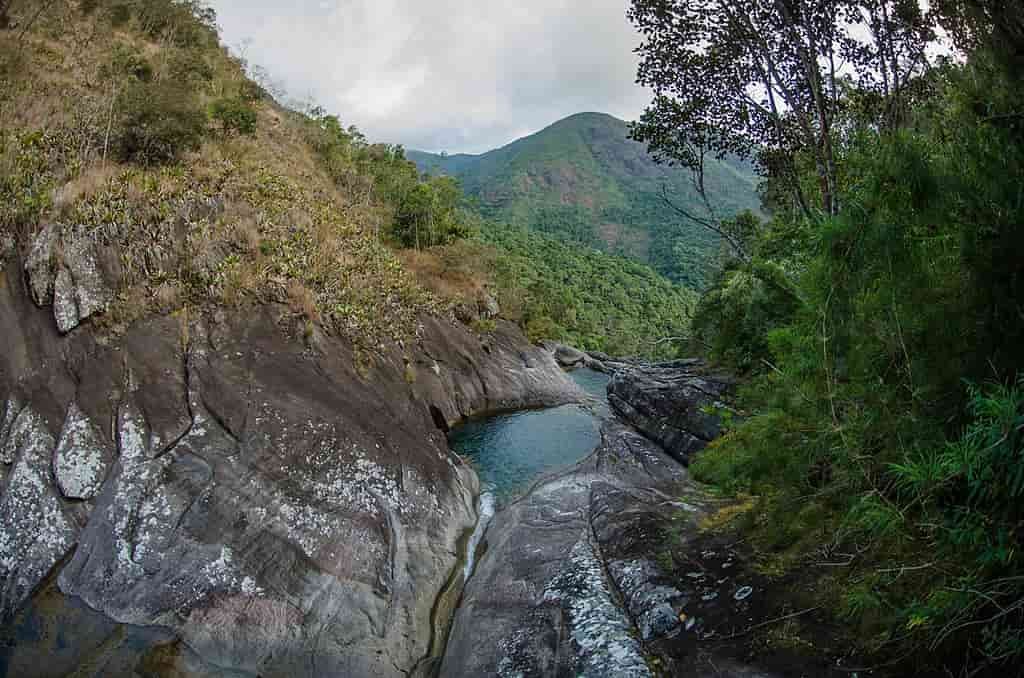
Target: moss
(727,515)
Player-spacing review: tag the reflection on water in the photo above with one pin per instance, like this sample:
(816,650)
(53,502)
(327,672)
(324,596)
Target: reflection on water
(509,451)
(58,635)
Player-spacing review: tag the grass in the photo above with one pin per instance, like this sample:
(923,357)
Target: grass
(242,219)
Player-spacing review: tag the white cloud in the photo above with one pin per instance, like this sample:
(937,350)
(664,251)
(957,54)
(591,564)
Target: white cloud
(455,75)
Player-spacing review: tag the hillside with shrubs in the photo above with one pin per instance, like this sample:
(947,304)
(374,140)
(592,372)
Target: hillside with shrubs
(128,121)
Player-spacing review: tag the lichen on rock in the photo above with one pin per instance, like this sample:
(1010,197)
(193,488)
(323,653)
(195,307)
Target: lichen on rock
(35,533)
(82,459)
(63,270)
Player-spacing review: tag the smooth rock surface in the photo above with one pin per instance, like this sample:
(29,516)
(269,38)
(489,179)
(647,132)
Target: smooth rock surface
(544,599)
(273,511)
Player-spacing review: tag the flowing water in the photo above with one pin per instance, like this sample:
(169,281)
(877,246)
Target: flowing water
(510,451)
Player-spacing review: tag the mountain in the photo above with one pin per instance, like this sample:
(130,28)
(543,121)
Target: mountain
(583,178)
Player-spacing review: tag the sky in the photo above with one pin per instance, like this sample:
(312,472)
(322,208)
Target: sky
(462,76)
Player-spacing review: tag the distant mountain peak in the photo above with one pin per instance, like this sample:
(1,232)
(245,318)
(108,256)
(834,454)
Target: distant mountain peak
(583,178)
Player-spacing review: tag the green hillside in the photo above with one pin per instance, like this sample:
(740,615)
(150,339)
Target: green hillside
(585,179)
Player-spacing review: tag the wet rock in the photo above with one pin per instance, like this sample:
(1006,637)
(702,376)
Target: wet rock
(541,601)
(671,403)
(82,459)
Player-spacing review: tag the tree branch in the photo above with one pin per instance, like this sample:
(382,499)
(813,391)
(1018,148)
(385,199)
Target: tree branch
(709,224)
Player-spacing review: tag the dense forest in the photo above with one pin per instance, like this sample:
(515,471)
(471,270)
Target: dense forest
(584,179)
(879,312)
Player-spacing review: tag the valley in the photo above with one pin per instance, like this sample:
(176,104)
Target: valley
(584,180)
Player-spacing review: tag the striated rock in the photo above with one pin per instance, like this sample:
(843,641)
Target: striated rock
(669,403)
(35,532)
(542,601)
(82,459)
(270,509)
(72,281)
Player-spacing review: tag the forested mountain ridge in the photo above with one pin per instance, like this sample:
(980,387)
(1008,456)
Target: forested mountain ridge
(584,178)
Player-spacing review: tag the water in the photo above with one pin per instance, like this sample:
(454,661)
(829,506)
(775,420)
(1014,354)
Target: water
(510,451)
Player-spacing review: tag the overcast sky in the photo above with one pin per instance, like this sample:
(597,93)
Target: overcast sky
(444,75)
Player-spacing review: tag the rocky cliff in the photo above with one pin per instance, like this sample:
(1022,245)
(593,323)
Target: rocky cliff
(604,569)
(239,485)
(676,404)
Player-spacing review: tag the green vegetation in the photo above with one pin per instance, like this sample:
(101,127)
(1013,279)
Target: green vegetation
(129,122)
(583,179)
(235,116)
(592,300)
(878,315)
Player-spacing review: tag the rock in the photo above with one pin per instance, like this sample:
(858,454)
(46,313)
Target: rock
(656,607)
(6,249)
(35,532)
(79,288)
(269,508)
(82,459)
(488,306)
(569,357)
(542,601)
(72,281)
(40,264)
(668,403)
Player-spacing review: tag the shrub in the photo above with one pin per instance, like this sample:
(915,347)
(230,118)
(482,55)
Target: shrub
(235,116)
(158,122)
(119,14)
(251,92)
(126,61)
(189,66)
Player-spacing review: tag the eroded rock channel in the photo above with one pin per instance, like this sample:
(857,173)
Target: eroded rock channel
(211,495)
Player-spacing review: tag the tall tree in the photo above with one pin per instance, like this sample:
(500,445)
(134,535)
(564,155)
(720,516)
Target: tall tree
(767,77)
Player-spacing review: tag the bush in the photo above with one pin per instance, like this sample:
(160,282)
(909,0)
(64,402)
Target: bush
(126,61)
(158,122)
(251,92)
(189,66)
(235,116)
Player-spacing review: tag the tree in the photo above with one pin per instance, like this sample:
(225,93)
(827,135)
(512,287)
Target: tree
(766,77)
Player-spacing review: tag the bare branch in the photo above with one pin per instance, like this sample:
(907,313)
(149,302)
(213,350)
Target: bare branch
(709,224)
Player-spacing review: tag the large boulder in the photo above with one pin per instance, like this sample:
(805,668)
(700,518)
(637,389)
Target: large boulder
(64,271)
(676,404)
(544,600)
(271,508)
